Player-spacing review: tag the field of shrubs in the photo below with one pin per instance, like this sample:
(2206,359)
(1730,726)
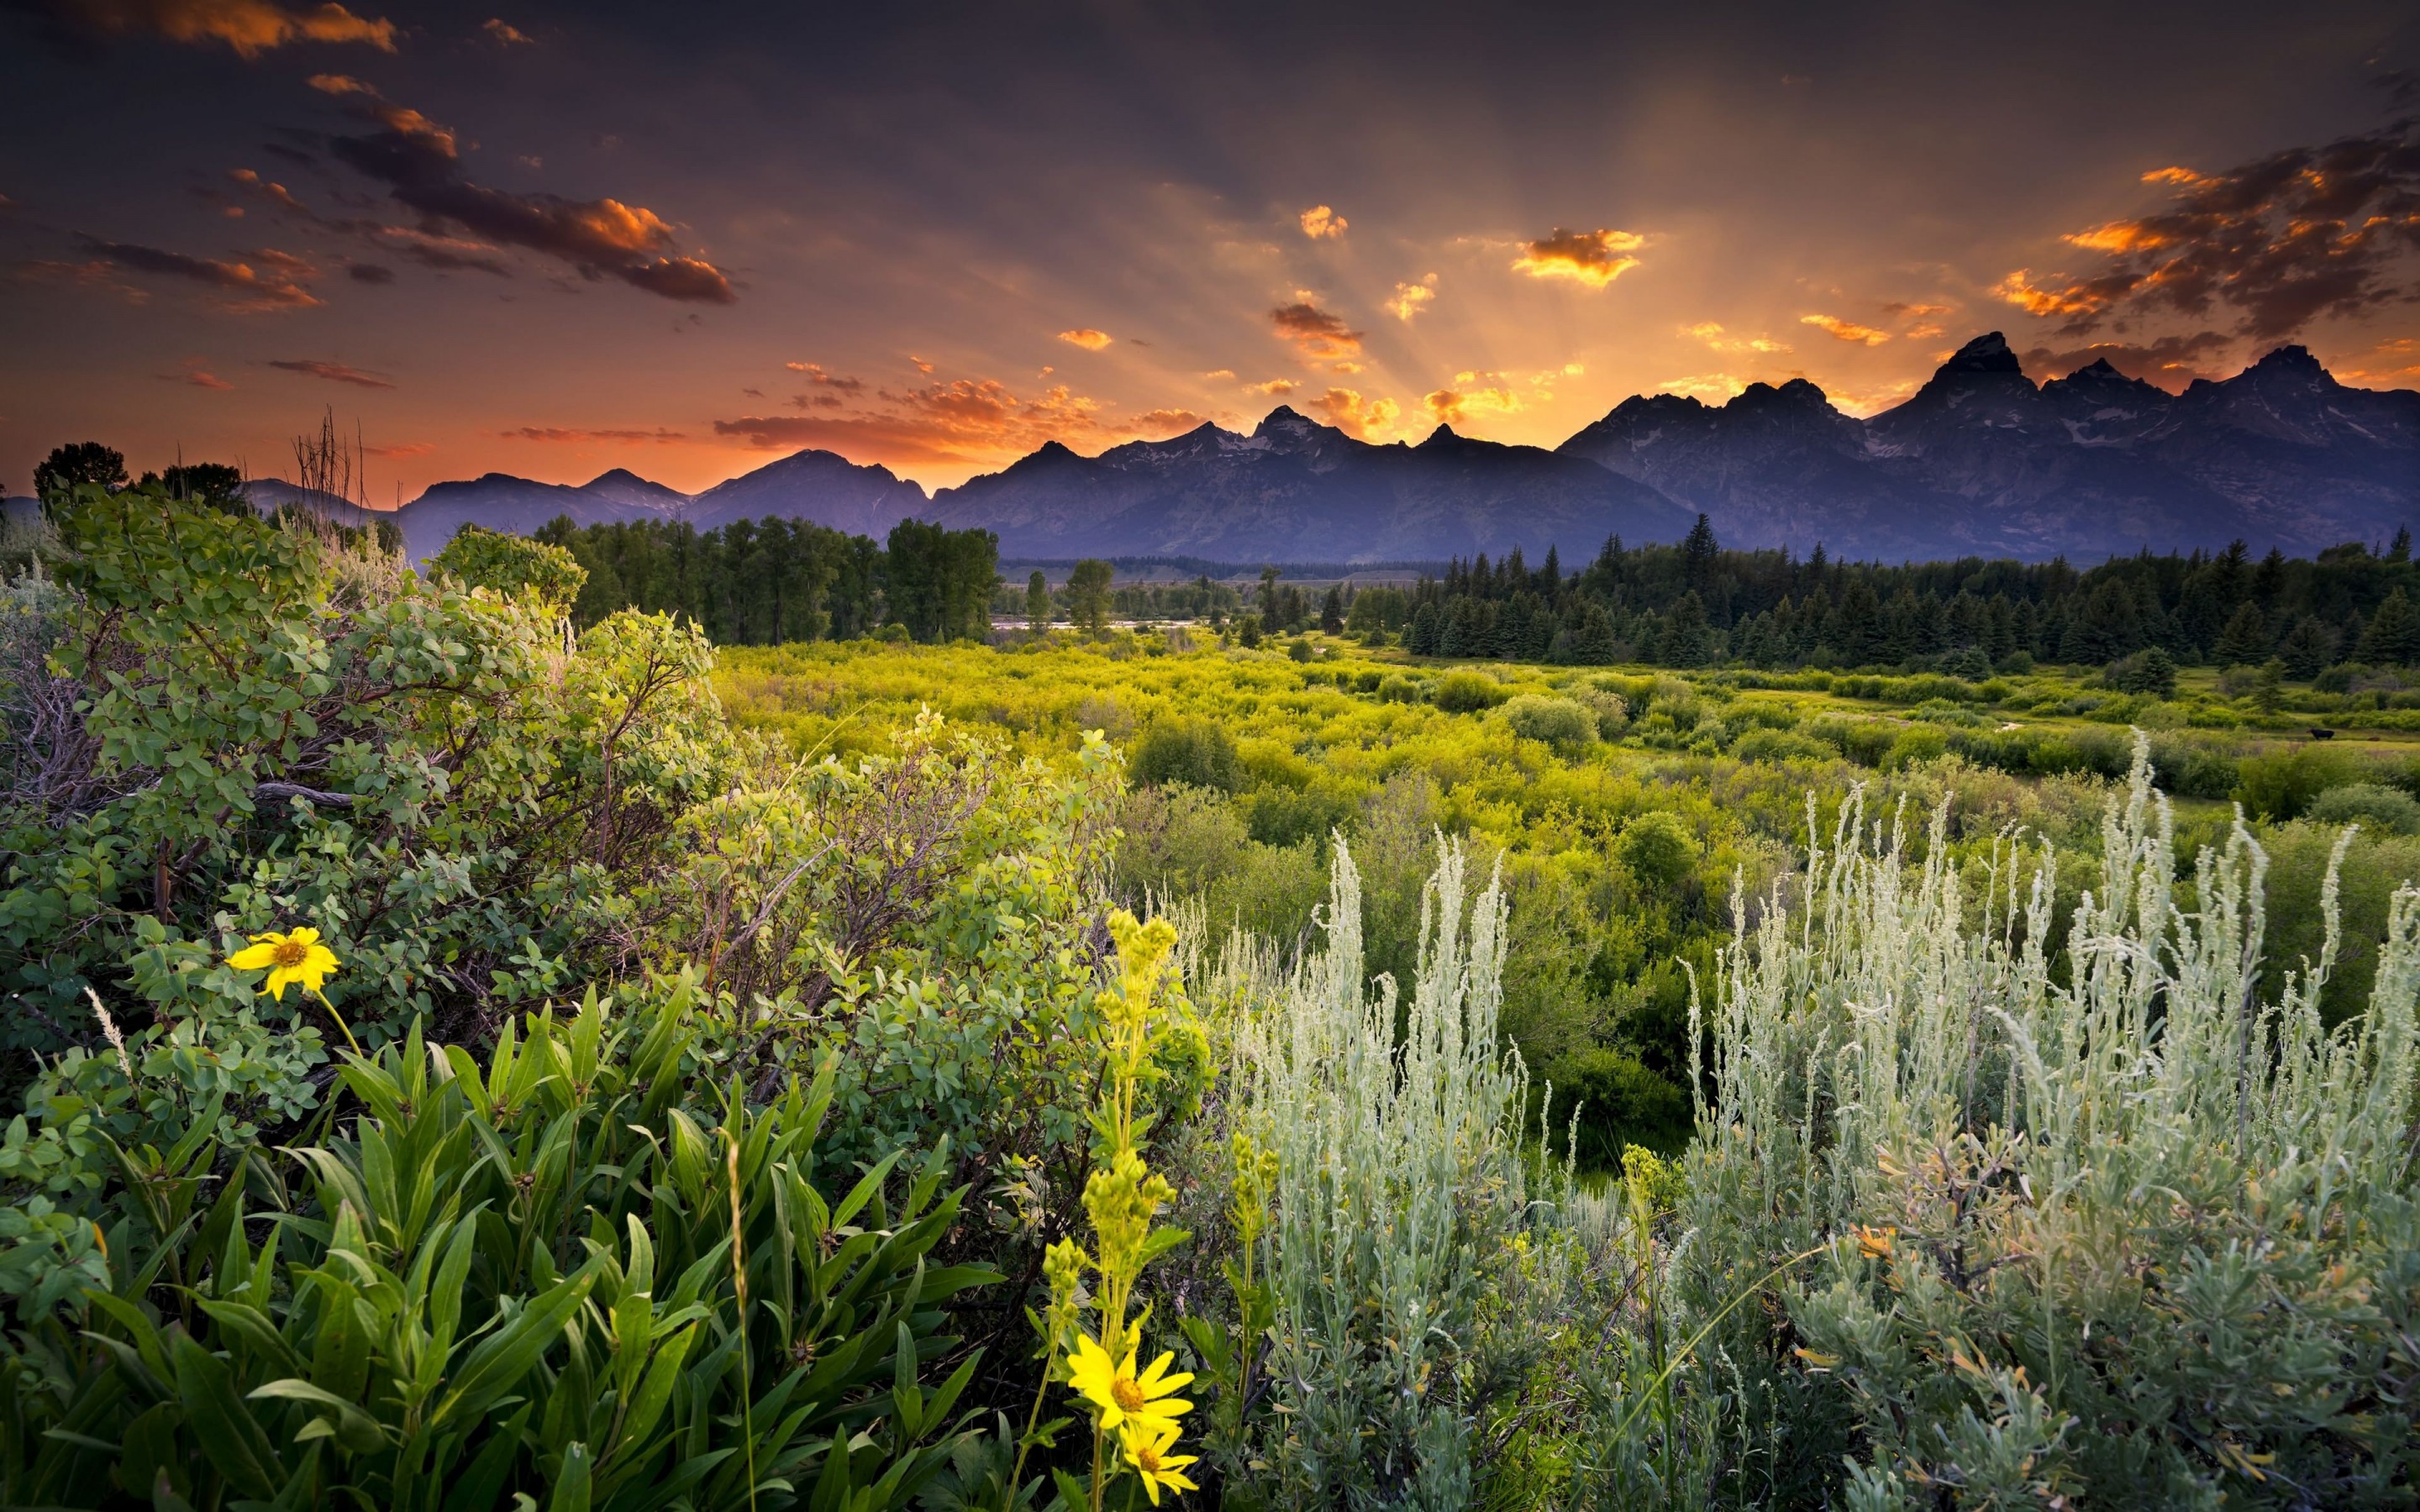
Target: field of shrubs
(463,1059)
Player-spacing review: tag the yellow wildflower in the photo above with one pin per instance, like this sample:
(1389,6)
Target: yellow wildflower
(1875,1243)
(1136,1404)
(289,959)
(1149,1455)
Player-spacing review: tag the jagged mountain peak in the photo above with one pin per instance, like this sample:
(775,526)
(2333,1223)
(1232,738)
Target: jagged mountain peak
(1987,353)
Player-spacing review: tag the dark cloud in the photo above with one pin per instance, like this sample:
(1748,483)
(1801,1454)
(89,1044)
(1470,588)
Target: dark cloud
(334,372)
(1595,259)
(370,274)
(817,375)
(2281,240)
(2171,362)
(1318,332)
(249,28)
(274,285)
(419,162)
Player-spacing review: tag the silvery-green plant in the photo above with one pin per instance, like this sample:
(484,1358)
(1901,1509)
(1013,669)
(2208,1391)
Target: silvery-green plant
(2098,1225)
(1395,1180)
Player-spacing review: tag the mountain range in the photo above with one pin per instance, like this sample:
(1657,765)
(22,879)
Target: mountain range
(1980,461)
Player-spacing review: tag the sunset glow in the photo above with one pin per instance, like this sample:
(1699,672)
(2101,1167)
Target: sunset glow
(558,240)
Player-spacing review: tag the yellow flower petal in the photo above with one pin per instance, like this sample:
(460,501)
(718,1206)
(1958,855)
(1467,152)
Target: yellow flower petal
(254,957)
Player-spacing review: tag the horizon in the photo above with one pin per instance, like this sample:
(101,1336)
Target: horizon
(550,240)
(1247,429)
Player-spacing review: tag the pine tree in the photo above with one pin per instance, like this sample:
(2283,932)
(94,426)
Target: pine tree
(2307,648)
(1331,610)
(2244,642)
(2392,638)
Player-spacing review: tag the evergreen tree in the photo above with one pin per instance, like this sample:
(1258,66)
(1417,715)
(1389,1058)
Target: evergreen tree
(1037,602)
(1088,596)
(2244,642)
(2307,648)
(1331,610)
(1699,554)
(2392,637)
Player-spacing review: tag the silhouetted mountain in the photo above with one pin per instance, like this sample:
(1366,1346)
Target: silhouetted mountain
(822,487)
(1980,461)
(1295,490)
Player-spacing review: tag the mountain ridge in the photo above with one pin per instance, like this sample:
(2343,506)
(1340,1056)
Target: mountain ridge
(1980,461)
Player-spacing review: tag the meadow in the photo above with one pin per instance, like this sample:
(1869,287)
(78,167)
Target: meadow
(475,1054)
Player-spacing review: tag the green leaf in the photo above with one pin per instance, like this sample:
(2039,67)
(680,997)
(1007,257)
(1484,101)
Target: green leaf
(571,1483)
(229,1435)
(359,1433)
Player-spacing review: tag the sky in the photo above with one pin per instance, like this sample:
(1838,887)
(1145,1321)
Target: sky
(550,239)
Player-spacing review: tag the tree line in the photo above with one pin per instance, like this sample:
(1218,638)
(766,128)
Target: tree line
(772,580)
(1696,603)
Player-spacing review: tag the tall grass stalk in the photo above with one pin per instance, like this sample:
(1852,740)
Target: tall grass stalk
(2101,1224)
(1395,1130)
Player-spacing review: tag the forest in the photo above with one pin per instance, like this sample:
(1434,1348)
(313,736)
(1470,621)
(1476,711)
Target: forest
(640,1018)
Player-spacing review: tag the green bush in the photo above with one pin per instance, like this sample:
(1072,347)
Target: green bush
(1191,752)
(2283,784)
(2371,805)
(1467,693)
(1658,849)
(540,1278)
(1563,723)
(1619,1102)
(269,729)
(511,565)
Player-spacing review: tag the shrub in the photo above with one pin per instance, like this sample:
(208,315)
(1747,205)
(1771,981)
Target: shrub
(1975,1177)
(511,566)
(1619,1102)
(2282,784)
(2371,805)
(1190,752)
(1467,693)
(1395,688)
(255,735)
(1563,723)
(1779,745)
(2151,671)
(1394,1179)
(1658,849)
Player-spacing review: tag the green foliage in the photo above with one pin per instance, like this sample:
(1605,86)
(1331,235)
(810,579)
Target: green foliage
(512,567)
(1620,1104)
(2371,805)
(2284,784)
(538,1277)
(252,738)
(1467,693)
(1189,753)
(937,582)
(1563,723)
(1088,595)
(1659,850)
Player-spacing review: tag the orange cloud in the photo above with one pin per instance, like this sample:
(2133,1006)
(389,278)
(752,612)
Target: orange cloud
(1348,412)
(240,286)
(1166,422)
(1913,312)
(504,33)
(1315,332)
(1273,387)
(1411,298)
(1086,337)
(2284,239)
(1845,330)
(2075,299)
(581,438)
(402,449)
(197,374)
(1592,258)
(1714,336)
(1319,223)
(1220,373)
(248,27)
(953,424)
